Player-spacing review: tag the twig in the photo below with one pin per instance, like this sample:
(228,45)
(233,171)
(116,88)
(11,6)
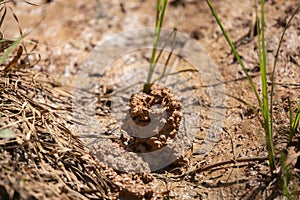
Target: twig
(208,167)
(226,162)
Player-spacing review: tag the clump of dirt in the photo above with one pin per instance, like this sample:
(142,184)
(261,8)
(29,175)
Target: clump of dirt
(134,186)
(160,112)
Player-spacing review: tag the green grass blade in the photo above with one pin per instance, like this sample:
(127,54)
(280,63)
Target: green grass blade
(264,102)
(235,53)
(263,65)
(252,107)
(10,49)
(297,118)
(160,13)
(294,122)
(278,50)
(289,191)
(175,73)
(173,33)
(265,98)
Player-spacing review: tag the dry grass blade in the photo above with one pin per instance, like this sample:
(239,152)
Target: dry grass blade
(4,45)
(17,20)
(49,160)
(3,15)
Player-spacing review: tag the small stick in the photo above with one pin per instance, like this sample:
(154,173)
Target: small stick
(208,167)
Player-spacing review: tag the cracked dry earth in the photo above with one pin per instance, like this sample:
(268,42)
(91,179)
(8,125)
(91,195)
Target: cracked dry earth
(70,29)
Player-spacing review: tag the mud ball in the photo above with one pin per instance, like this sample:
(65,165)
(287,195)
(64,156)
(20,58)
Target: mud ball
(146,108)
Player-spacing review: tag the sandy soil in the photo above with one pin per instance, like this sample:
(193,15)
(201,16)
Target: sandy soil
(67,31)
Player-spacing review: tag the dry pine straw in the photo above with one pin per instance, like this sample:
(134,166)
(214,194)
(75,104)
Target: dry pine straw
(45,159)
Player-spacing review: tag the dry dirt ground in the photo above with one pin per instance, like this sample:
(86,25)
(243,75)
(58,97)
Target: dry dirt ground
(48,160)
